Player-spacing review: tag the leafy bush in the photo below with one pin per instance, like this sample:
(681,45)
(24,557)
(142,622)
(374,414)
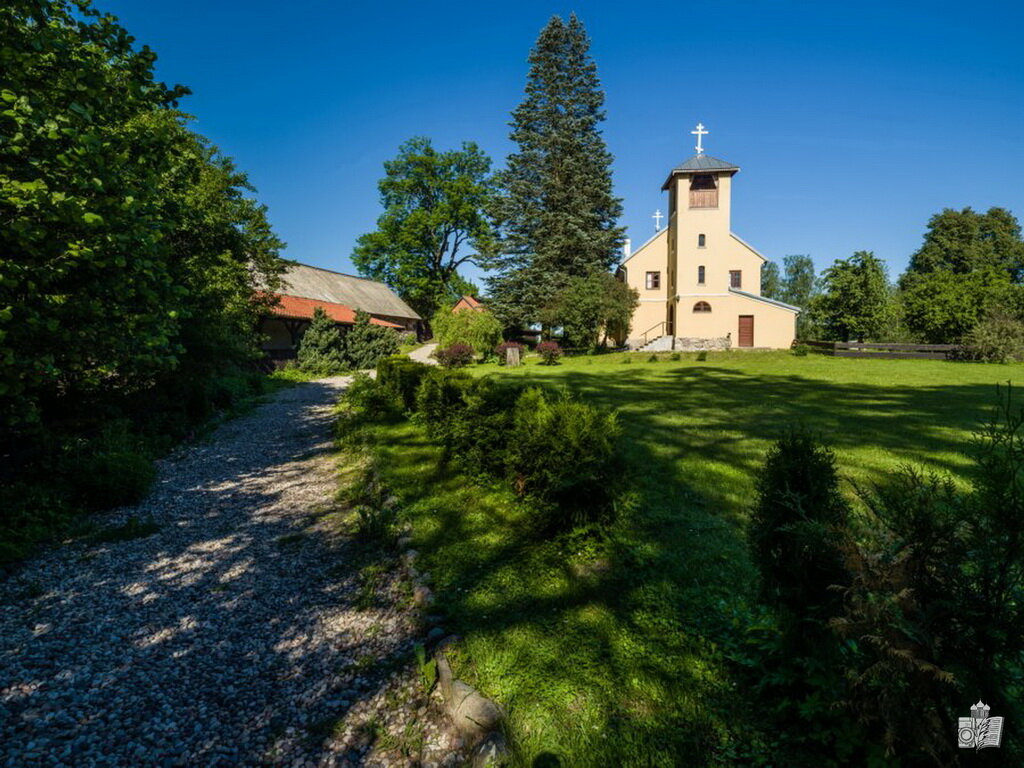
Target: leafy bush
(652,359)
(549,352)
(400,377)
(320,350)
(560,453)
(480,330)
(501,351)
(675,357)
(997,338)
(112,478)
(363,399)
(796,526)
(801,350)
(367,344)
(702,356)
(455,356)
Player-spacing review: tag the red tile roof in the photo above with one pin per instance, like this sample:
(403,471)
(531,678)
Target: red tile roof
(302,308)
(468,302)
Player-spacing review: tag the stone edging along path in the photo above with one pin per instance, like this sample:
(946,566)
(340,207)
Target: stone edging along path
(235,634)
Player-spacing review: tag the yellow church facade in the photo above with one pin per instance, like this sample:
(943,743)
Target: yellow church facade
(700,284)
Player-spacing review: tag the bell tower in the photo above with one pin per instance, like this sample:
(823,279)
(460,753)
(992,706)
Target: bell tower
(699,193)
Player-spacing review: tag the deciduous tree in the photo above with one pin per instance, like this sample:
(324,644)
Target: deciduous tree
(855,297)
(434,222)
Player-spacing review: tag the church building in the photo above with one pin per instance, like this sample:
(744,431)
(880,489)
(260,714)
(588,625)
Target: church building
(700,284)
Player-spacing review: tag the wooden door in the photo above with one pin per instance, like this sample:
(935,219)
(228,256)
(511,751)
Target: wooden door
(746,331)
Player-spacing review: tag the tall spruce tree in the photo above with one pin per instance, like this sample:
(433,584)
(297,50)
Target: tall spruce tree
(557,213)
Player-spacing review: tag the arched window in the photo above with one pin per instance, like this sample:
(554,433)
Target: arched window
(701,241)
(700,275)
(701,306)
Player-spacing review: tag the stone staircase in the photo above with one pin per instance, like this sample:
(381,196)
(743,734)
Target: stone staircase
(659,344)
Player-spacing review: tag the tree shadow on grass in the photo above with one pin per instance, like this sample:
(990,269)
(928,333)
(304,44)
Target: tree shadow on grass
(611,657)
(227,637)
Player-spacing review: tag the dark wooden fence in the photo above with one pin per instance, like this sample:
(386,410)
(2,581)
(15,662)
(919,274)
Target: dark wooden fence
(884,351)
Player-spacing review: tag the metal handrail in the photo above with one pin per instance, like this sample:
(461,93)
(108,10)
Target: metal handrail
(656,325)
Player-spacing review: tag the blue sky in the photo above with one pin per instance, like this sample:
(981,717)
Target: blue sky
(852,122)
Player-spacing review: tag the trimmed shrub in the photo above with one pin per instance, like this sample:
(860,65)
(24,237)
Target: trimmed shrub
(400,377)
(455,356)
(796,526)
(560,453)
(501,350)
(801,350)
(549,352)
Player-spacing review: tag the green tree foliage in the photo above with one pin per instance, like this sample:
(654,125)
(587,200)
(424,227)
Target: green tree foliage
(131,253)
(799,287)
(320,349)
(557,212)
(133,261)
(82,248)
(771,281)
(942,306)
(366,344)
(480,330)
(434,222)
(855,298)
(592,308)
(967,241)
(966,264)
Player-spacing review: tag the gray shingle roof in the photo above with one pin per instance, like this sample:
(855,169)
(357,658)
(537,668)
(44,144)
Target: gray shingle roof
(356,292)
(701,164)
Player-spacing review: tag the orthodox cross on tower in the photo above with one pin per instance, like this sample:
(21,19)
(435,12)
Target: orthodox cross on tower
(700,133)
(657,220)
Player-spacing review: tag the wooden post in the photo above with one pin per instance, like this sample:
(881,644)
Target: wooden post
(512,357)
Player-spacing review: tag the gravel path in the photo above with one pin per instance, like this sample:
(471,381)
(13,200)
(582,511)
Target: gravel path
(235,634)
(423,354)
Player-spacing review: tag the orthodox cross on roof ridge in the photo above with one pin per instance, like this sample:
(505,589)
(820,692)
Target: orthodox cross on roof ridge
(700,133)
(657,216)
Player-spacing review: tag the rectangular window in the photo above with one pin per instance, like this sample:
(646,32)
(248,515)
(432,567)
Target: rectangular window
(735,278)
(701,241)
(653,280)
(700,275)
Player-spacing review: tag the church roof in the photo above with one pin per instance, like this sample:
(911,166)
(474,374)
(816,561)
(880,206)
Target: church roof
(701,164)
(323,285)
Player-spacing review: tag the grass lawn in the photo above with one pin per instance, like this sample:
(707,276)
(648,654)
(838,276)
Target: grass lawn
(607,651)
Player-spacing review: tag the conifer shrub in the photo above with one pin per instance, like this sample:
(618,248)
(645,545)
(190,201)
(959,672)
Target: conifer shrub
(440,401)
(797,524)
(458,355)
(367,344)
(400,377)
(561,454)
(320,350)
(549,352)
